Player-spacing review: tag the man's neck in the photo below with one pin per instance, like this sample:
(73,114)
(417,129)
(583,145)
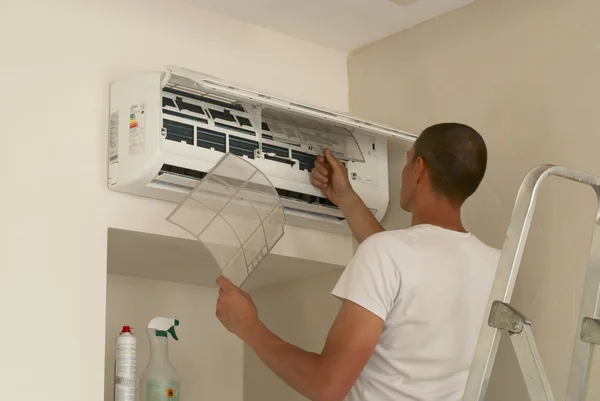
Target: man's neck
(438,213)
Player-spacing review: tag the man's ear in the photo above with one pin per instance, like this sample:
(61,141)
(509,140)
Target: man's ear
(420,168)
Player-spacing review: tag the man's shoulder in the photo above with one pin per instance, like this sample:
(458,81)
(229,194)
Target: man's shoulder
(493,253)
(418,237)
(388,240)
(395,237)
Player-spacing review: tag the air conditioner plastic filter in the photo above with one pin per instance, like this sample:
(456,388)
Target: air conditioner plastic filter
(236,213)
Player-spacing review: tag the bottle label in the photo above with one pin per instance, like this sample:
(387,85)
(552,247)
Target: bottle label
(124,393)
(125,371)
(126,356)
(162,390)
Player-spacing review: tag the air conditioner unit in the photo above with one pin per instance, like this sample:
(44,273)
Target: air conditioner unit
(167,129)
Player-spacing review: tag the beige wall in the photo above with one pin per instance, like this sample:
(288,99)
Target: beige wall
(524,73)
(299,311)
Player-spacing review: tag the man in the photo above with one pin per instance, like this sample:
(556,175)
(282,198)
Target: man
(413,300)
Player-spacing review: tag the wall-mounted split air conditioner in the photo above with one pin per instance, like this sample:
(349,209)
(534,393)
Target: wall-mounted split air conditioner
(168,130)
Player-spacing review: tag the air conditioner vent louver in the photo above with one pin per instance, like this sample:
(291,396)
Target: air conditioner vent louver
(307,161)
(242,146)
(184,172)
(278,150)
(168,102)
(207,98)
(284,193)
(209,139)
(179,132)
(239,145)
(226,115)
(237,129)
(183,105)
(182,115)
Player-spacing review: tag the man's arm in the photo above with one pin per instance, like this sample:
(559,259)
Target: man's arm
(330,175)
(360,219)
(328,376)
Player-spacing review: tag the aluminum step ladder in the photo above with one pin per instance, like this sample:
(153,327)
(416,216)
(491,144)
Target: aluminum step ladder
(504,318)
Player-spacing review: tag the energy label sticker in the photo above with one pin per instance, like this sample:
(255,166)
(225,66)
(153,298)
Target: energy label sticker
(137,120)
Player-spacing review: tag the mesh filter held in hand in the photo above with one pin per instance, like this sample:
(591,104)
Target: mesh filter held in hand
(236,213)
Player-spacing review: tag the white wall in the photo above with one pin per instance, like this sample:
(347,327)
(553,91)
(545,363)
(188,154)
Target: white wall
(57,59)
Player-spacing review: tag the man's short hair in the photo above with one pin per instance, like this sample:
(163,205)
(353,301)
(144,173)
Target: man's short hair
(456,158)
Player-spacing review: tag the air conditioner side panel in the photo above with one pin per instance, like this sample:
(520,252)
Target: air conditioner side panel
(135,126)
(370,179)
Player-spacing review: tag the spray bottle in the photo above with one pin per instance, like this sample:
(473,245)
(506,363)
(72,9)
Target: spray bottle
(125,365)
(159,381)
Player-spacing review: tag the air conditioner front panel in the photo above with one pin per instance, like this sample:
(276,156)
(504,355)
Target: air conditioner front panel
(171,130)
(210,84)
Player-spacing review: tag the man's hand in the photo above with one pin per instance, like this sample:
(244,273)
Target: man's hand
(330,175)
(235,309)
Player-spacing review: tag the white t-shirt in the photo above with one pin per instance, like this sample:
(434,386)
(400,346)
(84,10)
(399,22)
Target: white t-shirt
(431,287)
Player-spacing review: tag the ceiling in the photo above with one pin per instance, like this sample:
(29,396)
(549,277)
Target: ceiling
(339,24)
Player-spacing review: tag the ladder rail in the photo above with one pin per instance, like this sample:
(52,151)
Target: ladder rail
(508,269)
(583,352)
(506,318)
(531,365)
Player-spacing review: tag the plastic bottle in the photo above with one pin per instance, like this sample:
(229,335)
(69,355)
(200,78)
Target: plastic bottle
(160,381)
(125,365)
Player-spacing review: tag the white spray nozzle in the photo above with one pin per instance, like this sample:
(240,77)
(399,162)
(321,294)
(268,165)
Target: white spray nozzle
(164,325)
